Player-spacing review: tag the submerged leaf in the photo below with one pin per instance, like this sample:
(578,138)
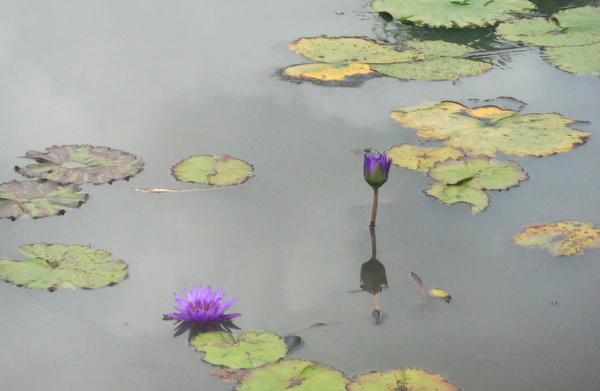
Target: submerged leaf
(409,379)
(561,239)
(293,375)
(213,170)
(488,130)
(38,199)
(447,13)
(451,194)
(81,164)
(248,350)
(58,265)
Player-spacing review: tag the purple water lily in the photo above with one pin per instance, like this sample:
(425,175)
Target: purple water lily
(203,306)
(376,169)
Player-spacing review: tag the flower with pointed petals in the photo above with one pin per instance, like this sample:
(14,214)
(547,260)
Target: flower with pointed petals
(376,169)
(203,306)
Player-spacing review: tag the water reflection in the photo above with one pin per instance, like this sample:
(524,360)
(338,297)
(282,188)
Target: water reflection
(373,278)
(196,328)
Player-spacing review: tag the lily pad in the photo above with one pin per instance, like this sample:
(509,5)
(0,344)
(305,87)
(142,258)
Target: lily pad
(248,350)
(222,170)
(294,375)
(575,59)
(349,61)
(561,239)
(451,194)
(420,158)
(38,199)
(81,164)
(54,266)
(571,27)
(488,130)
(401,379)
(447,13)
(478,172)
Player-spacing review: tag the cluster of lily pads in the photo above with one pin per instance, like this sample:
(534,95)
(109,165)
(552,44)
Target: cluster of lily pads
(570,40)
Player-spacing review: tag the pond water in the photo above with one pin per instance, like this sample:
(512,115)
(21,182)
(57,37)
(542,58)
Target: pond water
(167,80)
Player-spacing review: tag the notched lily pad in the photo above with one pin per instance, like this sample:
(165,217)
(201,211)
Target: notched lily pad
(38,199)
(409,379)
(451,194)
(294,375)
(222,170)
(81,164)
(561,239)
(248,350)
(54,266)
(488,130)
(459,13)
(420,158)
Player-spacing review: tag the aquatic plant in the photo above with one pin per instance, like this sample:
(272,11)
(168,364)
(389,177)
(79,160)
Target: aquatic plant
(376,171)
(202,306)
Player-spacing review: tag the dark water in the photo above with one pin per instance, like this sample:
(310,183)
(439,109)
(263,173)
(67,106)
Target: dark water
(168,80)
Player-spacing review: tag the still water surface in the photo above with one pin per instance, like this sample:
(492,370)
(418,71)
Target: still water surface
(167,80)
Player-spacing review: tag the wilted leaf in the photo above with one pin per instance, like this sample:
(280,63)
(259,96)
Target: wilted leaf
(488,130)
(38,199)
(479,172)
(575,59)
(437,69)
(451,194)
(248,350)
(213,170)
(448,13)
(81,164)
(342,74)
(571,27)
(54,266)
(409,379)
(561,239)
(293,375)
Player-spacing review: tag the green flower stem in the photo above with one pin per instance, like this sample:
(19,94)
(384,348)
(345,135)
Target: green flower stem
(375,201)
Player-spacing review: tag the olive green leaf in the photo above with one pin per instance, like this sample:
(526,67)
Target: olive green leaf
(575,59)
(409,379)
(248,350)
(451,194)
(420,158)
(459,13)
(81,164)
(38,199)
(222,170)
(488,130)
(293,375)
(561,239)
(54,266)
(436,69)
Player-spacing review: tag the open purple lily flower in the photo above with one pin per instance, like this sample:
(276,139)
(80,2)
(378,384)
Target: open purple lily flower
(376,169)
(203,306)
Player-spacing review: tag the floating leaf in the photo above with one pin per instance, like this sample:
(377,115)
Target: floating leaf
(248,350)
(213,170)
(451,194)
(81,164)
(293,375)
(420,158)
(478,172)
(409,379)
(54,266)
(447,13)
(442,294)
(436,69)
(571,27)
(341,75)
(488,130)
(575,59)
(561,239)
(38,199)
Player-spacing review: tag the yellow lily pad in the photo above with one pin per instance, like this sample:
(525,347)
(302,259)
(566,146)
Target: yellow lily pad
(420,158)
(409,379)
(561,239)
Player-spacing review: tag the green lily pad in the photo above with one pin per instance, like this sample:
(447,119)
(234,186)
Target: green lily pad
(571,27)
(54,266)
(420,158)
(575,59)
(401,379)
(213,170)
(488,130)
(459,13)
(478,172)
(38,199)
(293,375)
(81,164)
(248,350)
(451,194)
(436,69)
(561,239)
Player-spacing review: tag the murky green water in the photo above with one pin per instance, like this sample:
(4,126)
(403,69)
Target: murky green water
(168,80)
